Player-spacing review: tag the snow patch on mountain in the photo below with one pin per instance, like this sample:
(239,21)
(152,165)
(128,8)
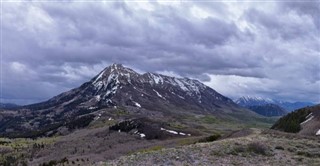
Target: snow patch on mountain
(174,132)
(137,104)
(318,132)
(169,131)
(181,84)
(92,108)
(308,119)
(191,86)
(156,78)
(181,133)
(98,97)
(142,135)
(127,75)
(98,117)
(99,77)
(159,94)
(109,101)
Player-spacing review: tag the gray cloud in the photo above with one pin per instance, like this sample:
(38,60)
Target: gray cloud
(310,8)
(52,47)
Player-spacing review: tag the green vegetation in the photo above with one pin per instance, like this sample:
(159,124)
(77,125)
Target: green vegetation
(291,122)
(34,133)
(15,151)
(209,119)
(210,123)
(177,125)
(121,112)
(187,141)
(210,138)
(55,162)
(80,122)
(151,149)
(102,122)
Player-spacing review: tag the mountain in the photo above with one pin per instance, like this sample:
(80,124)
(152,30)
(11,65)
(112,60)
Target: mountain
(305,121)
(247,101)
(291,106)
(265,107)
(8,105)
(120,86)
(145,102)
(268,110)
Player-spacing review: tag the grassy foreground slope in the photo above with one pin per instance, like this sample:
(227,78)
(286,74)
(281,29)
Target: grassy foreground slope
(255,147)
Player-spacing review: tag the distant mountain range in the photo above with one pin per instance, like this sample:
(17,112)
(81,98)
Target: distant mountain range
(8,105)
(270,107)
(119,93)
(248,101)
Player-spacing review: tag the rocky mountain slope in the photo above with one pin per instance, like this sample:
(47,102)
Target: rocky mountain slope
(120,93)
(304,121)
(247,101)
(268,110)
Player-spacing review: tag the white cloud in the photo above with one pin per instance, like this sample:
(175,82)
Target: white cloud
(18,67)
(237,86)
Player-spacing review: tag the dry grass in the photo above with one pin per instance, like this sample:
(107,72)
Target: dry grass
(255,149)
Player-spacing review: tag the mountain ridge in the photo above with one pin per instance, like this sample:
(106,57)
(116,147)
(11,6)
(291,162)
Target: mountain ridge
(247,101)
(105,85)
(8,105)
(268,110)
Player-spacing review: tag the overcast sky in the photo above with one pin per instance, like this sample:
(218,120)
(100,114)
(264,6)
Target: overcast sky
(268,49)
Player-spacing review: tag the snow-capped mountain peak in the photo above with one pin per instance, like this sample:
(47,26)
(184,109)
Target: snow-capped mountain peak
(253,100)
(248,101)
(117,85)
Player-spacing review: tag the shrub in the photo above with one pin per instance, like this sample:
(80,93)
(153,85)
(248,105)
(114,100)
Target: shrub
(211,138)
(257,148)
(80,122)
(237,149)
(55,162)
(279,148)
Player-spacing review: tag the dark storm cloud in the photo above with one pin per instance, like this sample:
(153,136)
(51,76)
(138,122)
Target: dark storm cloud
(284,27)
(311,8)
(51,47)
